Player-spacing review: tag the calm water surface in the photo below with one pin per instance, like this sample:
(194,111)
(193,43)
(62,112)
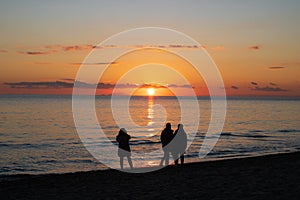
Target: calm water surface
(38,134)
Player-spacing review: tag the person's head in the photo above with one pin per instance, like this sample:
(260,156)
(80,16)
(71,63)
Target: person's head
(123,131)
(180,126)
(168,125)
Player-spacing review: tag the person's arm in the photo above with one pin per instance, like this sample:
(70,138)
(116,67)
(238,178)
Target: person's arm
(163,137)
(185,140)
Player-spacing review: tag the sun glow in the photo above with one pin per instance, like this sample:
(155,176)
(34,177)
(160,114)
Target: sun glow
(151,91)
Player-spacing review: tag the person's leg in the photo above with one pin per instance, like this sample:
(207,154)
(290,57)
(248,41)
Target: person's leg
(176,162)
(175,156)
(167,156)
(182,159)
(130,162)
(121,161)
(163,159)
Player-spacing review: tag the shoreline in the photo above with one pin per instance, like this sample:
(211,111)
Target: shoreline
(8,177)
(273,176)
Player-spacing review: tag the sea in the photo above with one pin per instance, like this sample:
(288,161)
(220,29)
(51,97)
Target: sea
(39,133)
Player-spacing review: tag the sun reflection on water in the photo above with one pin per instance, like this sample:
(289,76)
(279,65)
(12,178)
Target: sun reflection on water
(150,115)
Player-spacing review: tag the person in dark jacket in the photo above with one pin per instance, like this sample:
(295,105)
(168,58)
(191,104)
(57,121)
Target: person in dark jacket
(166,137)
(179,144)
(124,148)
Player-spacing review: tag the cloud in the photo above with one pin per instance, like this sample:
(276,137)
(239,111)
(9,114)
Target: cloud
(255,47)
(182,46)
(218,48)
(77,47)
(3,51)
(89,47)
(277,67)
(70,47)
(63,83)
(147,85)
(107,46)
(150,85)
(170,46)
(126,85)
(36,52)
(35,85)
(54,47)
(234,87)
(70,83)
(179,86)
(99,63)
(68,79)
(105,85)
(48,49)
(270,89)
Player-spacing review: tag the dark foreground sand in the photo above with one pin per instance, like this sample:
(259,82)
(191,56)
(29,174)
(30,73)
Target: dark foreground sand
(266,177)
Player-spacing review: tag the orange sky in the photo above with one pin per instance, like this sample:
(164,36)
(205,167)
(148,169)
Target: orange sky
(255,46)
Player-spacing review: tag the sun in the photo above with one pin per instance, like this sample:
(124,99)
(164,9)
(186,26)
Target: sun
(151,91)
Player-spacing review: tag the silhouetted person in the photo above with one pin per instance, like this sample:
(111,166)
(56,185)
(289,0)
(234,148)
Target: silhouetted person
(166,137)
(124,148)
(179,144)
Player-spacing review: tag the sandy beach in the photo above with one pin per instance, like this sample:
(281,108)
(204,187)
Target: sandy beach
(264,177)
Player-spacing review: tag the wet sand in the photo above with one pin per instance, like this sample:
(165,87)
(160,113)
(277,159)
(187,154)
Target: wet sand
(264,177)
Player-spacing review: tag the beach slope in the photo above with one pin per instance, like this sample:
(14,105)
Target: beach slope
(264,177)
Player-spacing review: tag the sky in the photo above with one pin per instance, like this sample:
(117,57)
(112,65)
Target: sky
(255,45)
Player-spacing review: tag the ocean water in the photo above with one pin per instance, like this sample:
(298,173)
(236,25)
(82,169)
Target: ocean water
(38,133)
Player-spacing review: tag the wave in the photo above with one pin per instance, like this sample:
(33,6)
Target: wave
(256,136)
(256,131)
(143,142)
(27,145)
(243,135)
(246,135)
(259,133)
(227,134)
(46,161)
(110,127)
(81,161)
(12,113)
(288,130)
(54,161)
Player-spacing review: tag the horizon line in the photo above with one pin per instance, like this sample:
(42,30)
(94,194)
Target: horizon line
(145,96)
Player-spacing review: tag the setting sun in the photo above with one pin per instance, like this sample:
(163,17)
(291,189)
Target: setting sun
(150,91)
